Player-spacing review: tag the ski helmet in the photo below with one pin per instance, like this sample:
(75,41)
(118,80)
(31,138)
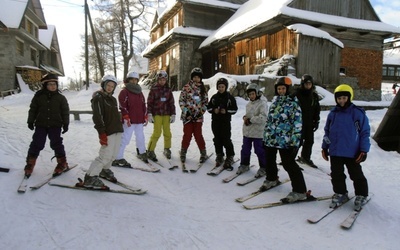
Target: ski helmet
(224,82)
(344,90)
(132,74)
(253,87)
(162,74)
(49,78)
(106,79)
(196,72)
(283,81)
(306,78)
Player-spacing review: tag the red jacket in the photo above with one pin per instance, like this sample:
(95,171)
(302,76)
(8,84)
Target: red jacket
(132,104)
(160,101)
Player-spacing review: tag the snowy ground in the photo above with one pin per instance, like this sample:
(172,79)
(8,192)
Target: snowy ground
(180,211)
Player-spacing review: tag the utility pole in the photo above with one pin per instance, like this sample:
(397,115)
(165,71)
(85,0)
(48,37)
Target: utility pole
(86,46)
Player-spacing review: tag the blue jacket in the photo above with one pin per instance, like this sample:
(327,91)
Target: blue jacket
(284,123)
(347,132)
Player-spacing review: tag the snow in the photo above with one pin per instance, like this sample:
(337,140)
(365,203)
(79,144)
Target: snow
(11,12)
(179,211)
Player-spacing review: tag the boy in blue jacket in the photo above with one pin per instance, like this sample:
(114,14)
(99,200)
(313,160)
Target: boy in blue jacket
(346,141)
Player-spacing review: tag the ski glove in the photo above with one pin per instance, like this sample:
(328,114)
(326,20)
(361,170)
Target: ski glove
(315,127)
(65,129)
(103,139)
(325,154)
(362,156)
(247,121)
(146,120)
(172,119)
(30,126)
(150,118)
(127,120)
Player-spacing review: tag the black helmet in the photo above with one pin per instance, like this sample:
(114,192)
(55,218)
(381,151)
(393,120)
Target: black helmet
(49,77)
(224,82)
(196,72)
(306,78)
(283,81)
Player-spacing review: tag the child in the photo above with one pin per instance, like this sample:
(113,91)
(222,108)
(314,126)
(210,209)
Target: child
(310,109)
(107,122)
(253,128)
(133,110)
(193,102)
(222,106)
(346,141)
(161,112)
(48,113)
(283,133)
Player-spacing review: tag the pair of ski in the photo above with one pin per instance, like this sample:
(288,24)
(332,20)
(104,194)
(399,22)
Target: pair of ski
(219,168)
(24,183)
(79,186)
(199,165)
(346,223)
(150,167)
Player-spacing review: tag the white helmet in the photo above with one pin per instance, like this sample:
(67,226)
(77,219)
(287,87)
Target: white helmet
(253,87)
(106,79)
(132,75)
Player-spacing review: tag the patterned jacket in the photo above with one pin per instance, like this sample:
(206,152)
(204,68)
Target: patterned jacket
(106,117)
(49,109)
(284,123)
(257,112)
(192,103)
(160,101)
(347,132)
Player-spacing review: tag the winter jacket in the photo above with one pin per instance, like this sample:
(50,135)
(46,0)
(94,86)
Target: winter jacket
(160,101)
(49,109)
(133,103)
(222,101)
(192,103)
(106,117)
(284,123)
(347,132)
(310,107)
(257,112)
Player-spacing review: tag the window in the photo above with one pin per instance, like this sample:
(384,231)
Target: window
(173,53)
(166,28)
(342,70)
(20,47)
(176,21)
(390,71)
(167,60)
(33,54)
(384,71)
(258,54)
(263,53)
(240,59)
(31,28)
(160,62)
(397,71)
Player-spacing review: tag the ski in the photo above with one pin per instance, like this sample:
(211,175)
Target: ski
(218,169)
(171,166)
(151,168)
(200,164)
(24,184)
(155,162)
(318,217)
(284,202)
(6,170)
(41,184)
(349,221)
(135,189)
(230,178)
(79,186)
(250,180)
(300,160)
(259,191)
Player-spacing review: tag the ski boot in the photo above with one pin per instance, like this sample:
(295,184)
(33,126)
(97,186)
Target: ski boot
(93,182)
(228,163)
(182,155)
(152,156)
(121,163)
(30,164)
(108,175)
(167,153)
(203,155)
(61,167)
(242,169)
(338,199)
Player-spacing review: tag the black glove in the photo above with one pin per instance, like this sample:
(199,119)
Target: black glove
(247,122)
(30,126)
(325,154)
(362,156)
(65,129)
(315,127)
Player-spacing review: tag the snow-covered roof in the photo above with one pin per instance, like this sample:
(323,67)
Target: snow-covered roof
(255,12)
(178,30)
(11,12)
(215,3)
(314,32)
(46,36)
(391,56)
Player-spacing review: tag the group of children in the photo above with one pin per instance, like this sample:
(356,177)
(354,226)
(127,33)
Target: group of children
(288,124)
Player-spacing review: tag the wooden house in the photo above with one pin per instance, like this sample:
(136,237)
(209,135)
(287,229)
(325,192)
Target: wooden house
(177,32)
(28,45)
(358,61)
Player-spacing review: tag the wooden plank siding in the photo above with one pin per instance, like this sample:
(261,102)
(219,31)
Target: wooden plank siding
(358,9)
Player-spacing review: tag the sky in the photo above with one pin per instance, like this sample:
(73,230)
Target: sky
(181,211)
(68,17)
